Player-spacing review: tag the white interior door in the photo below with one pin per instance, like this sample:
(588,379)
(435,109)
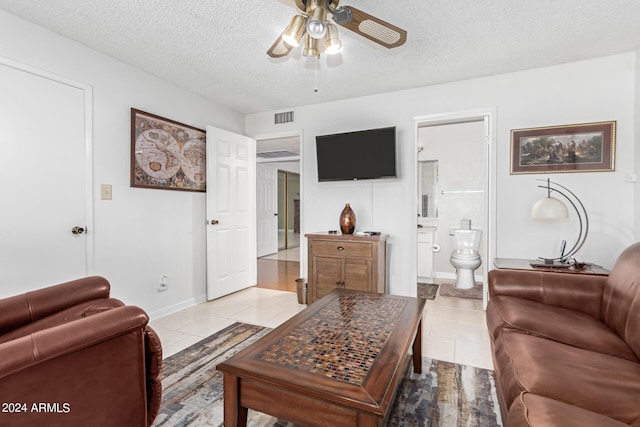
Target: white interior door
(231,213)
(267,208)
(45,179)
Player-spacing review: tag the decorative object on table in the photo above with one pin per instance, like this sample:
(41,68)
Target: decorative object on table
(347,220)
(444,393)
(321,35)
(588,147)
(166,154)
(552,209)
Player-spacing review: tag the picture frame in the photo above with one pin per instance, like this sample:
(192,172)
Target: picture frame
(166,154)
(586,147)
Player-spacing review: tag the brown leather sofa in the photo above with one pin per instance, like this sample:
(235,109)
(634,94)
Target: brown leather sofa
(72,356)
(566,347)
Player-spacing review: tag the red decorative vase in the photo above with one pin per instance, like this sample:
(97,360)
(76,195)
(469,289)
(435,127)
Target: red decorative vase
(347,220)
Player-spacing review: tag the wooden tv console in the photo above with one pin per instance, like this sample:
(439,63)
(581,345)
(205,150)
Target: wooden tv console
(345,261)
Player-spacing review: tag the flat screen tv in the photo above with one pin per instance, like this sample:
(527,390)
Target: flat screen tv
(366,154)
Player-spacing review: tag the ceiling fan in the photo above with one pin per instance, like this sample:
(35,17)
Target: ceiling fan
(320,34)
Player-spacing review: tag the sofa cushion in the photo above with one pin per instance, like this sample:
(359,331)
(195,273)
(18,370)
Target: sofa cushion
(531,410)
(78,311)
(556,323)
(593,381)
(621,298)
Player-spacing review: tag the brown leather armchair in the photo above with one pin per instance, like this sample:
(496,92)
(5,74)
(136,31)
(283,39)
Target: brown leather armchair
(72,356)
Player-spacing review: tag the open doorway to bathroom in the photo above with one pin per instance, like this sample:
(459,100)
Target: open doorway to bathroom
(278,211)
(453,183)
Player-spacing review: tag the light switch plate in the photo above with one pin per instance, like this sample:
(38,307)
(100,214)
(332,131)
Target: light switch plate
(105,192)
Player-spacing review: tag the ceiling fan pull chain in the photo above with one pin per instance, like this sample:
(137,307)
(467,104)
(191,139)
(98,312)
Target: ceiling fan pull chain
(317,66)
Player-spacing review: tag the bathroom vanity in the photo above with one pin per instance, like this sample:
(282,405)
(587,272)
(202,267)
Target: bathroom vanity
(426,268)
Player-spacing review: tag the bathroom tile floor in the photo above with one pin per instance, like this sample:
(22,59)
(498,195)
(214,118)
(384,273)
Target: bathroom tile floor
(454,329)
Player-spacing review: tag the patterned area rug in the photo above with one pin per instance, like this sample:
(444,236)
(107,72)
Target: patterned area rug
(445,394)
(427,290)
(450,290)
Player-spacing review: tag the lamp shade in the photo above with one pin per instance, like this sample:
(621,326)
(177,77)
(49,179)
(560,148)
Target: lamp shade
(549,208)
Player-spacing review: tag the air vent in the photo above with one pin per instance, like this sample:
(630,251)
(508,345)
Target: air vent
(284,117)
(276,154)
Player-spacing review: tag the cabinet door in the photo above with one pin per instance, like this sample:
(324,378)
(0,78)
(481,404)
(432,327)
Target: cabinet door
(425,255)
(327,274)
(357,274)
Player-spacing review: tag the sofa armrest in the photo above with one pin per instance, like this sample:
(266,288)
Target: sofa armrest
(90,371)
(582,292)
(153,361)
(21,309)
(67,338)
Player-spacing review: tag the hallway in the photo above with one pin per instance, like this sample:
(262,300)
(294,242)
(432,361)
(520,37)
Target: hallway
(279,271)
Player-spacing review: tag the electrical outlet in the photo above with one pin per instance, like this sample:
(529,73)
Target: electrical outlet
(164,284)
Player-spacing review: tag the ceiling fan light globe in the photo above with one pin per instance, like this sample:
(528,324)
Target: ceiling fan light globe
(294,31)
(332,43)
(311,47)
(316,29)
(316,24)
(333,48)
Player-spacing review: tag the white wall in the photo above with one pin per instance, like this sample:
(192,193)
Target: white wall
(586,91)
(141,234)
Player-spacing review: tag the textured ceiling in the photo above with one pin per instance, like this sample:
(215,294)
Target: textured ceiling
(217,48)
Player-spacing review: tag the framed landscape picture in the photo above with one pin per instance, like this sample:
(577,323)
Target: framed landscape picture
(588,147)
(166,154)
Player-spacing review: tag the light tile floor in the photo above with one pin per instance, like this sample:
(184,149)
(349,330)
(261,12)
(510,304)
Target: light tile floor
(454,329)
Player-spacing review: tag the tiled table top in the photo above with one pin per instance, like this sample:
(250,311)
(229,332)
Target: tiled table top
(341,341)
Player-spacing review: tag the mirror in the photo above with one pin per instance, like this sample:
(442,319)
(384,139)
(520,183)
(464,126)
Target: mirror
(427,183)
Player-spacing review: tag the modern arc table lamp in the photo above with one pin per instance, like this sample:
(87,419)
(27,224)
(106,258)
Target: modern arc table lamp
(552,209)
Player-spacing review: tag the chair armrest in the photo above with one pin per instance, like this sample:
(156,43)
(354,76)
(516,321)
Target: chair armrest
(67,338)
(153,366)
(21,309)
(582,292)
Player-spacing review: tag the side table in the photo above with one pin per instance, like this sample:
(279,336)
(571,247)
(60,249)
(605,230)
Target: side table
(524,264)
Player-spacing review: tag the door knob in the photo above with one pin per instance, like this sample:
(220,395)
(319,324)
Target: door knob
(77,230)
(213,222)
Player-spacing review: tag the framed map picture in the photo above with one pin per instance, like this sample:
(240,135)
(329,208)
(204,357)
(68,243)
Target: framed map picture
(166,154)
(587,147)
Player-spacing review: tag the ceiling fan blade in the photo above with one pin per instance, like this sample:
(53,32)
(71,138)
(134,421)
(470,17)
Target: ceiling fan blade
(301,5)
(374,29)
(279,49)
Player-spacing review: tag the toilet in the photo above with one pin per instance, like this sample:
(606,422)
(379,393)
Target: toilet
(465,256)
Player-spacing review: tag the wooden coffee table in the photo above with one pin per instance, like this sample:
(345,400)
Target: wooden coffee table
(337,363)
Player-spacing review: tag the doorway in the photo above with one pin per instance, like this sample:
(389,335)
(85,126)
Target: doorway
(288,210)
(460,144)
(47,177)
(280,267)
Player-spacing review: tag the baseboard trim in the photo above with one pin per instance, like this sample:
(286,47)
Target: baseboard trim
(154,315)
